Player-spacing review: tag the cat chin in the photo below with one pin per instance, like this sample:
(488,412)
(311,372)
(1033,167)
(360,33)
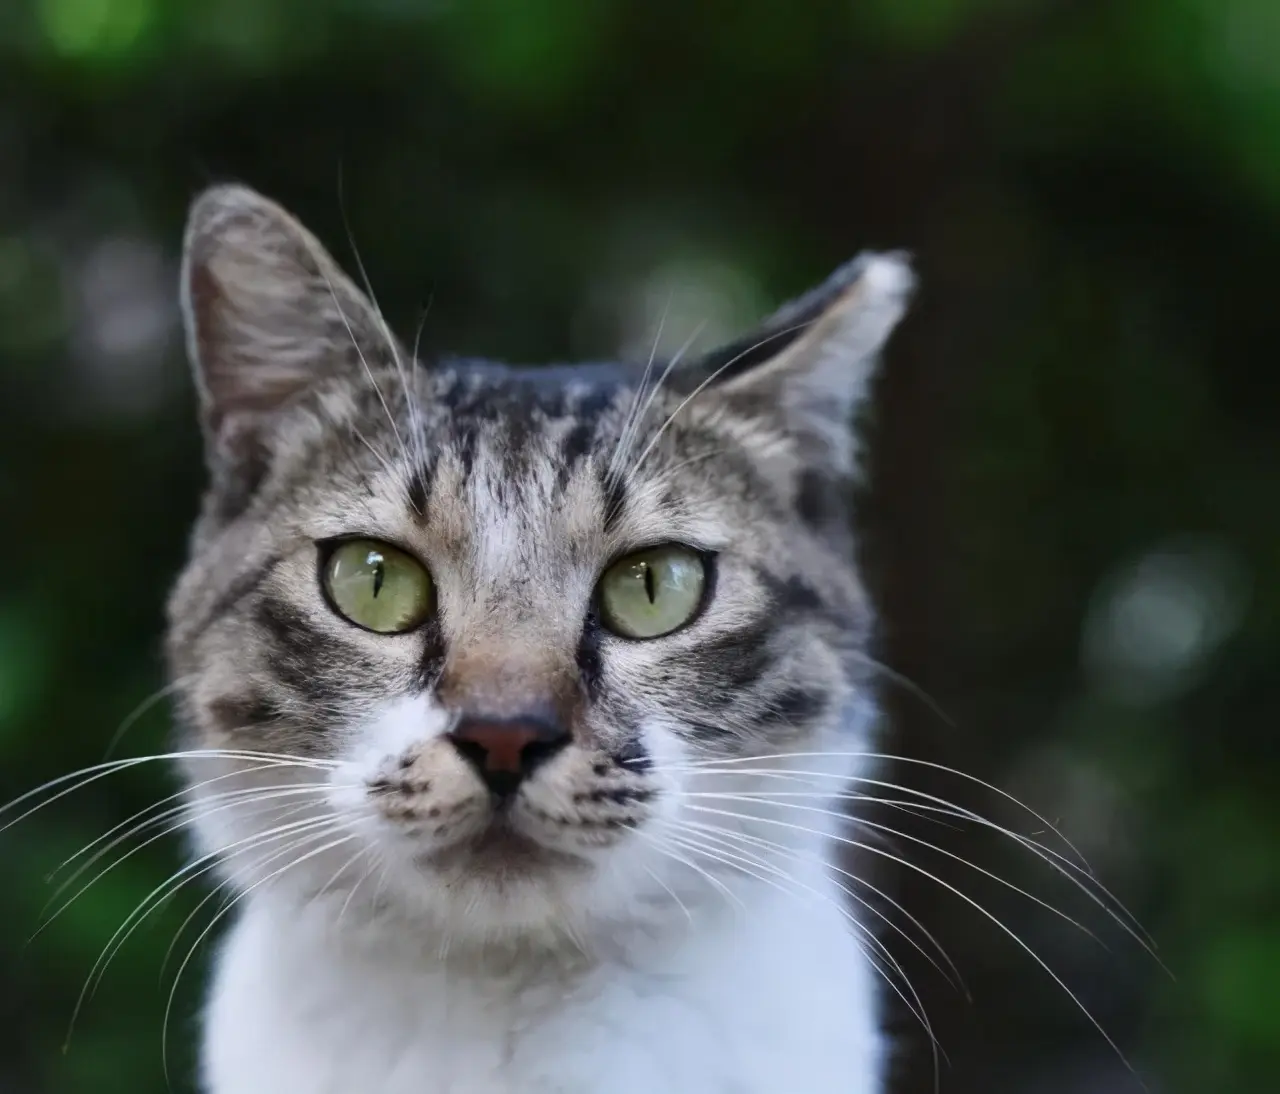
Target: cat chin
(548,906)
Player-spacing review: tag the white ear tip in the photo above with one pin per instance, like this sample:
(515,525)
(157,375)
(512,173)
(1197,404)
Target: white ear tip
(887,278)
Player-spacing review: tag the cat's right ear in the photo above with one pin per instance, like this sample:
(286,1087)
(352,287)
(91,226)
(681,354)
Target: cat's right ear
(267,312)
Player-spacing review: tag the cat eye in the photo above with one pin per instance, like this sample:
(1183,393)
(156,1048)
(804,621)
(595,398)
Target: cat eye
(377,586)
(652,592)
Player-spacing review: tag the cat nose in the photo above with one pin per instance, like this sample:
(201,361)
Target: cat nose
(505,751)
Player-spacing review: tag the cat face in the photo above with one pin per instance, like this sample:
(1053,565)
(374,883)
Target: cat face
(462,643)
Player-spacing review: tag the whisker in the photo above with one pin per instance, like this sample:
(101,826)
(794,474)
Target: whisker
(734,860)
(355,342)
(631,420)
(222,887)
(422,322)
(904,682)
(168,1010)
(671,893)
(146,843)
(336,874)
(1075,873)
(149,903)
(876,826)
(952,889)
(706,383)
(736,760)
(1065,868)
(373,865)
(377,455)
(671,469)
(92,774)
(957,982)
(729,894)
(181,794)
(634,433)
(415,424)
(150,701)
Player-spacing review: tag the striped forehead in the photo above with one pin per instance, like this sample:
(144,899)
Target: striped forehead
(524,503)
(524,476)
(516,481)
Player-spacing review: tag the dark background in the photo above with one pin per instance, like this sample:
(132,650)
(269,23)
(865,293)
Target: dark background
(1074,528)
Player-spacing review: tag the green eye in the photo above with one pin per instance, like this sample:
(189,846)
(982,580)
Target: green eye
(653,592)
(377,586)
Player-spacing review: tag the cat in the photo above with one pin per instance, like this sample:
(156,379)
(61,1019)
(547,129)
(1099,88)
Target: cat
(489,678)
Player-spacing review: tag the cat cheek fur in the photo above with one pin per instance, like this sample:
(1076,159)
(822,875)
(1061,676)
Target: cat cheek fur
(393,917)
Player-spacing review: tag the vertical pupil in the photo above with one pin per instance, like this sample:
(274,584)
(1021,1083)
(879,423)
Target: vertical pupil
(379,574)
(650,585)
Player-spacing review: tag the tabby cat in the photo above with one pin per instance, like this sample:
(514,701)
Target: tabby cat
(491,679)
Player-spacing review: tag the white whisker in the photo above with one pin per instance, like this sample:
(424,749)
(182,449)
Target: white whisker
(876,826)
(950,888)
(631,420)
(703,386)
(735,860)
(92,774)
(156,896)
(164,1028)
(634,432)
(321,264)
(729,894)
(1075,873)
(150,701)
(780,848)
(139,824)
(393,347)
(890,758)
(184,809)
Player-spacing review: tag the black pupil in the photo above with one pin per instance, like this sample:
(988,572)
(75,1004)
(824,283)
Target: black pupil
(379,573)
(650,584)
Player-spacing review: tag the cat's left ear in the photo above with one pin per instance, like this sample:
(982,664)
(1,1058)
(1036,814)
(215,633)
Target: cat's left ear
(268,313)
(810,365)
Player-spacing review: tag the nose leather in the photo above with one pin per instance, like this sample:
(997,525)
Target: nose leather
(505,751)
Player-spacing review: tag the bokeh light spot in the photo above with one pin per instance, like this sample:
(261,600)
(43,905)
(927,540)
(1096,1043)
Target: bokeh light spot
(1156,623)
(95,28)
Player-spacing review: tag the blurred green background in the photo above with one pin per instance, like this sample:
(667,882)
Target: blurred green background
(1074,526)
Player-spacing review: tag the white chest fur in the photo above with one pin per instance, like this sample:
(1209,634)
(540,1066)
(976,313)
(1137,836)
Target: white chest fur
(775,998)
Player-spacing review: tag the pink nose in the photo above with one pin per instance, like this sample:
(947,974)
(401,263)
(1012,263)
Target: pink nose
(505,751)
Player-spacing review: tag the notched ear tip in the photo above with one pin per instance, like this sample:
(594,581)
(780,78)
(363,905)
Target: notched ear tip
(878,287)
(834,336)
(887,275)
(866,299)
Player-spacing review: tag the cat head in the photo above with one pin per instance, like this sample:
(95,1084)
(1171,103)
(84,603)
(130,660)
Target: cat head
(492,633)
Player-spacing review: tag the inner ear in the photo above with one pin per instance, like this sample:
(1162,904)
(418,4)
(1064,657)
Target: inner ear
(810,365)
(266,310)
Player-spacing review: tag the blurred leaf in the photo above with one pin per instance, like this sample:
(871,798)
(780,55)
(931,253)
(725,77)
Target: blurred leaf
(525,55)
(1239,978)
(96,29)
(929,24)
(26,663)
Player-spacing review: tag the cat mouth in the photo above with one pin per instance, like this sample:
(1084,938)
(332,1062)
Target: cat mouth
(500,849)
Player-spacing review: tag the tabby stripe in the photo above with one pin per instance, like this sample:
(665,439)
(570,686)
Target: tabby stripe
(300,649)
(243,586)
